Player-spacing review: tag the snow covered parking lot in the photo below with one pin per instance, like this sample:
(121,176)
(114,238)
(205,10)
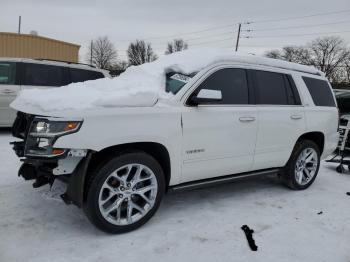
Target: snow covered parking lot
(200,225)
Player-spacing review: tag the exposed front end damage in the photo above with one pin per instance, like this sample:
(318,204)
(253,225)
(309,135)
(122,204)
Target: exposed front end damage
(43,162)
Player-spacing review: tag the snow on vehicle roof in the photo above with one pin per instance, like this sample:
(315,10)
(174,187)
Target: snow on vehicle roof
(139,85)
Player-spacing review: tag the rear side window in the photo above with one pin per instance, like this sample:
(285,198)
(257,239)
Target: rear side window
(81,75)
(231,82)
(275,89)
(7,73)
(320,91)
(42,75)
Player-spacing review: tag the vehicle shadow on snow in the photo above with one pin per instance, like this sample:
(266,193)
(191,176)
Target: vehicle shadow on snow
(76,222)
(245,187)
(5,130)
(333,167)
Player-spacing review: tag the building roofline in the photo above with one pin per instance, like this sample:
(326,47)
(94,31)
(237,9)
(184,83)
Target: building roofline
(41,37)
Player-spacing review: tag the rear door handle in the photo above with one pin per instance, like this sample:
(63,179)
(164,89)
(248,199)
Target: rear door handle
(296,117)
(247,119)
(8,91)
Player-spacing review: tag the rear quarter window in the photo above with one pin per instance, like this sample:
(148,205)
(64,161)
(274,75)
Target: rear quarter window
(7,73)
(42,75)
(81,75)
(320,91)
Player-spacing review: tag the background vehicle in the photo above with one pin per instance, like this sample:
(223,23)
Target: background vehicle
(343,101)
(231,119)
(18,74)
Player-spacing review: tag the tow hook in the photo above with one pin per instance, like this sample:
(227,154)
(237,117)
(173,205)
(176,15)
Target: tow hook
(42,180)
(27,171)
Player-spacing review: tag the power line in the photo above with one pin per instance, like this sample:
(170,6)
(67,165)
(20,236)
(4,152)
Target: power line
(180,35)
(200,37)
(211,29)
(300,26)
(300,17)
(196,38)
(292,35)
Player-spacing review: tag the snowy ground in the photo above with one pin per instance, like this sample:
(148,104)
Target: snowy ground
(200,225)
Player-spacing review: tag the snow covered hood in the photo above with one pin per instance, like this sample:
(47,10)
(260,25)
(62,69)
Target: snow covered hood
(138,86)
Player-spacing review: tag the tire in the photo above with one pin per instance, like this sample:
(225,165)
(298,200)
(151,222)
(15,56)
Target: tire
(295,167)
(116,202)
(340,169)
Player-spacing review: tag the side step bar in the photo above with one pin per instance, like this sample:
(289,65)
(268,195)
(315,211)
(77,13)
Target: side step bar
(221,180)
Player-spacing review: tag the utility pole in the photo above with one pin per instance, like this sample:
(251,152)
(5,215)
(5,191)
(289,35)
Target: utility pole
(238,35)
(19,25)
(91,45)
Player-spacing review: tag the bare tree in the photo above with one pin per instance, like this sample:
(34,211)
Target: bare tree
(275,54)
(296,54)
(102,53)
(347,69)
(175,46)
(328,54)
(121,65)
(140,52)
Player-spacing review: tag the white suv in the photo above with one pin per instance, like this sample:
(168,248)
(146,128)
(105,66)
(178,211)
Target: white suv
(18,74)
(233,118)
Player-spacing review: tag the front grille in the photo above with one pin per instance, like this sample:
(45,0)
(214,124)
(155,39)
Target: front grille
(21,125)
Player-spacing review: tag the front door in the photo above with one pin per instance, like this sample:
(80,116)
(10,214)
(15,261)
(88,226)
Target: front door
(219,139)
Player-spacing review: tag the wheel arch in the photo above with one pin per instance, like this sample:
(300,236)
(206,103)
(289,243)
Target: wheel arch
(156,150)
(317,137)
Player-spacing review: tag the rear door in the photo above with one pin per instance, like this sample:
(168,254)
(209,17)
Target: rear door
(9,87)
(281,118)
(219,138)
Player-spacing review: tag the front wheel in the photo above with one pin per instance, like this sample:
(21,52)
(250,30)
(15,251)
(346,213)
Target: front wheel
(303,165)
(125,193)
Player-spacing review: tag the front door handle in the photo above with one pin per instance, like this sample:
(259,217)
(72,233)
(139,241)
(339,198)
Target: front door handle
(247,119)
(296,117)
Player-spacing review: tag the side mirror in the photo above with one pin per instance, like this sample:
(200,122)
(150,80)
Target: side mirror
(206,96)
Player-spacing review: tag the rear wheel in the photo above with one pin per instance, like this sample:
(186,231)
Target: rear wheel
(125,193)
(303,165)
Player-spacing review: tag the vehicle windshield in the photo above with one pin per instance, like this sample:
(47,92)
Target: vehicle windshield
(175,81)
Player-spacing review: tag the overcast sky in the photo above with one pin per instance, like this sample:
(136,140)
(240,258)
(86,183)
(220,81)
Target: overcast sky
(157,21)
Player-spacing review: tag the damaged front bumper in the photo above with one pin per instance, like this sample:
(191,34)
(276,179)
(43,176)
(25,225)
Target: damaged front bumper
(71,170)
(69,166)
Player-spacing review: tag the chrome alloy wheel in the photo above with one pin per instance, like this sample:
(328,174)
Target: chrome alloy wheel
(306,166)
(128,194)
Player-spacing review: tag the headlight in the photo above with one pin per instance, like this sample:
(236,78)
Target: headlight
(46,128)
(43,134)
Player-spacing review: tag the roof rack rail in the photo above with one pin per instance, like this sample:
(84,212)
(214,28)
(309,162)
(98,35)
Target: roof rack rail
(54,60)
(301,71)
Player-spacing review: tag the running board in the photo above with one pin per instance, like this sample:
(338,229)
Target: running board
(221,180)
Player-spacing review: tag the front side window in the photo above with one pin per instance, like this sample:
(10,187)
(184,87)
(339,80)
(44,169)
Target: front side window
(232,82)
(320,91)
(7,73)
(42,75)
